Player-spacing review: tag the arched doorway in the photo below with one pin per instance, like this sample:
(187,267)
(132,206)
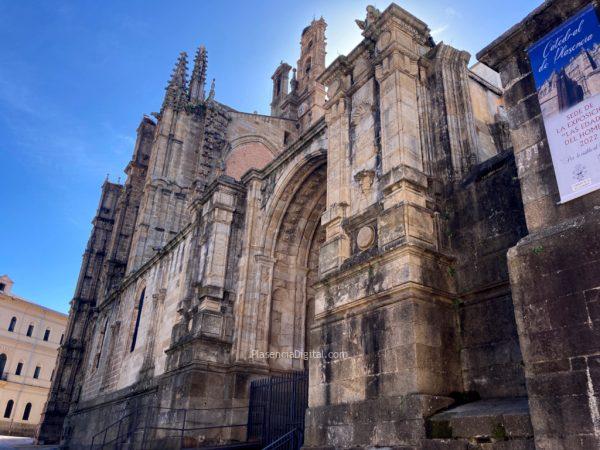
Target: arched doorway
(292,236)
(298,239)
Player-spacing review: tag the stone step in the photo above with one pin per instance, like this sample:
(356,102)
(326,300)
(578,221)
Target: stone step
(487,424)
(238,446)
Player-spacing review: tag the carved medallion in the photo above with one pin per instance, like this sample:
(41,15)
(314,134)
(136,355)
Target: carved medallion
(365,238)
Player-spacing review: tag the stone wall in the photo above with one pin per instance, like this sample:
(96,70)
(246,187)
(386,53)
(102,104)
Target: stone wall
(482,219)
(69,374)
(554,271)
(379,233)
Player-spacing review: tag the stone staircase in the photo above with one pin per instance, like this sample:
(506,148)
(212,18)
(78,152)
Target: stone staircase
(491,424)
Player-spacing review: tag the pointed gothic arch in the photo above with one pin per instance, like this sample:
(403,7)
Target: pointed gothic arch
(293,237)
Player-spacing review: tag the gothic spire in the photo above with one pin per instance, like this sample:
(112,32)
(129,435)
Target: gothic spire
(198,79)
(177,87)
(211,94)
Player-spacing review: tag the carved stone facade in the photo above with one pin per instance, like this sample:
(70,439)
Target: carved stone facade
(368,217)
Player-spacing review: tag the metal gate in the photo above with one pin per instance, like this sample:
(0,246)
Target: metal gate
(276,413)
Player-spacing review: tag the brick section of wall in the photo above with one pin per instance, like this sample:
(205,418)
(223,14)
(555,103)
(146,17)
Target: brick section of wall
(252,155)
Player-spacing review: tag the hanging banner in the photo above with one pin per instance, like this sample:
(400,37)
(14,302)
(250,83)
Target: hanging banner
(566,69)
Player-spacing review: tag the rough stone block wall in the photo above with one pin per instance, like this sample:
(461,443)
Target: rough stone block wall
(556,284)
(484,218)
(390,353)
(95,416)
(554,271)
(418,312)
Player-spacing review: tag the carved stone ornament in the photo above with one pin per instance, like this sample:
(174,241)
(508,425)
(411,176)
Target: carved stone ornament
(365,178)
(365,238)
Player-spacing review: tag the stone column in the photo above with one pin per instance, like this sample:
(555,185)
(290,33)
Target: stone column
(555,270)
(337,246)
(217,216)
(262,298)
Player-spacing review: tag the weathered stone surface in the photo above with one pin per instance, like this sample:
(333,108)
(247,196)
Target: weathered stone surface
(554,270)
(370,225)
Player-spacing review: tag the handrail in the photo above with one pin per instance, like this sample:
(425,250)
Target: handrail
(196,428)
(159,409)
(293,436)
(112,424)
(284,438)
(105,431)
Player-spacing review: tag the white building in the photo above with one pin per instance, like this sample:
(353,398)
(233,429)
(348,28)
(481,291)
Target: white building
(29,339)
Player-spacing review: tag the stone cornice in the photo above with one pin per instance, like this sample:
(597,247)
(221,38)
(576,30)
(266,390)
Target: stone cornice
(131,278)
(404,20)
(484,83)
(384,257)
(338,68)
(32,309)
(221,181)
(400,13)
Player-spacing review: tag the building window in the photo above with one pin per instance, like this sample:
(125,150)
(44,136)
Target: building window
(52,375)
(8,409)
(182,257)
(13,324)
(137,320)
(19,368)
(62,338)
(308,67)
(2,364)
(29,330)
(36,372)
(2,287)
(101,346)
(27,411)
(47,334)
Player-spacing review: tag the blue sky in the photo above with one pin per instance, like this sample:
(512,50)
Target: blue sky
(76,77)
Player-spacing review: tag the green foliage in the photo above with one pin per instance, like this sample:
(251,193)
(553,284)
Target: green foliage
(440,429)
(499,432)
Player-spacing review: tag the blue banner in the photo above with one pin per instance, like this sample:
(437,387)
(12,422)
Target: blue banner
(566,68)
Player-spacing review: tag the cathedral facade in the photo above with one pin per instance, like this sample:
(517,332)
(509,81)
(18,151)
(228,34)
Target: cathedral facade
(358,234)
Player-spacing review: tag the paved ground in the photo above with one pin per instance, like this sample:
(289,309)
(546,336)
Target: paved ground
(21,443)
(8,442)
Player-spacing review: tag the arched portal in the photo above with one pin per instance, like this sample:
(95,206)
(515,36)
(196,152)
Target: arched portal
(298,239)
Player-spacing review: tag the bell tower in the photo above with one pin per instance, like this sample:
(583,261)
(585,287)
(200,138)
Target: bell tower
(280,88)
(311,93)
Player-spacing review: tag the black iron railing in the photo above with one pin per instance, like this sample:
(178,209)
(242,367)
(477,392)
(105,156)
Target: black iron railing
(274,419)
(277,408)
(292,440)
(181,428)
